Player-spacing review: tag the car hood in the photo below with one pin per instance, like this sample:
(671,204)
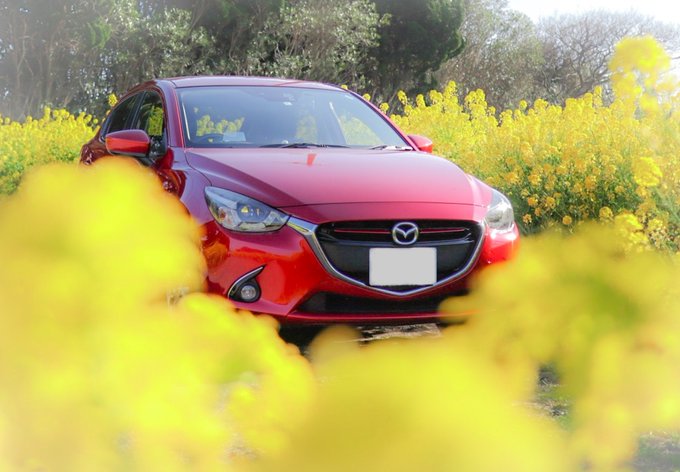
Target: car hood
(318,176)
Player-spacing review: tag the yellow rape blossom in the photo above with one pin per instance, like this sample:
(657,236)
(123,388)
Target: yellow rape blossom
(229,390)
(534,179)
(646,172)
(92,354)
(606,213)
(550,203)
(56,136)
(615,155)
(610,334)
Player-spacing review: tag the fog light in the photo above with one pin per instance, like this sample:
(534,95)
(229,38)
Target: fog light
(249,292)
(246,289)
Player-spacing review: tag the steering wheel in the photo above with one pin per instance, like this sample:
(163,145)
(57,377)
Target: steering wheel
(209,138)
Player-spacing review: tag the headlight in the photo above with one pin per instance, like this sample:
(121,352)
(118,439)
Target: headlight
(240,213)
(499,216)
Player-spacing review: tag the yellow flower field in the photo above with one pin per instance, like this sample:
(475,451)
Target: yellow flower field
(111,358)
(562,165)
(55,137)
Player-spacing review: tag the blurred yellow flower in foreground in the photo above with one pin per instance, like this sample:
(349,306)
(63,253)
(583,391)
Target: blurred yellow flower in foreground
(97,371)
(416,405)
(607,321)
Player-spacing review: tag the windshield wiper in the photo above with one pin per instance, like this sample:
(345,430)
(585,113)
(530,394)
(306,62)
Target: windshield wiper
(391,147)
(303,145)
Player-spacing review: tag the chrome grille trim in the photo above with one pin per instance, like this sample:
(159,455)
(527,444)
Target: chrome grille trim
(308,231)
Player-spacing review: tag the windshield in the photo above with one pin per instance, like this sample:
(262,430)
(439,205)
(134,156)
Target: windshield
(257,116)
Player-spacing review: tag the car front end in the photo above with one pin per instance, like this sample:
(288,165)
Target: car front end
(371,250)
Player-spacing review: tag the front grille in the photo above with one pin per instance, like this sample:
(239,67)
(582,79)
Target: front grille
(346,245)
(381,231)
(336,304)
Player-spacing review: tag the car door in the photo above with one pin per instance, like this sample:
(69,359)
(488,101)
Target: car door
(151,118)
(117,120)
(144,111)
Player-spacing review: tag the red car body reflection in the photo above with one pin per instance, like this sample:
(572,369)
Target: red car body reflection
(315,207)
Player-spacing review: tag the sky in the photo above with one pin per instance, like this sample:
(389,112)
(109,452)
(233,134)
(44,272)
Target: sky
(664,10)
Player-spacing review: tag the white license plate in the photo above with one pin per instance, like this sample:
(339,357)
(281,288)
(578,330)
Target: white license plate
(402,266)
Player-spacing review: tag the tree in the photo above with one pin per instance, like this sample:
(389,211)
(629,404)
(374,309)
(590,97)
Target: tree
(231,25)
(577,48)
(158,44)
(502,54)
(38,39)
(317,40)
(73,53)
(420,35)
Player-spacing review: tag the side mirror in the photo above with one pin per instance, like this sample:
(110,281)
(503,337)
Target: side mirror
(421,142)
(129,142)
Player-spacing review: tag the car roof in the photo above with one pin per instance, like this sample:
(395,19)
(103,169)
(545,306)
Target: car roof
(220,80)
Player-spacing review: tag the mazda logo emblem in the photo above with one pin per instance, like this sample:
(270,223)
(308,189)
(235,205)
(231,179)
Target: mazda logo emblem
(405,233)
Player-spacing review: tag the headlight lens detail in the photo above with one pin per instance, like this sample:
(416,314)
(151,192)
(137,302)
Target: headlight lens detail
(500,216)
(237,212)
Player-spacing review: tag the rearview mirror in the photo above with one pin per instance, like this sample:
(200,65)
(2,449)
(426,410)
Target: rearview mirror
(421,142)
(129,142)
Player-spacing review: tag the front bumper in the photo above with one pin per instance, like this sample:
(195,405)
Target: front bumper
(299,284)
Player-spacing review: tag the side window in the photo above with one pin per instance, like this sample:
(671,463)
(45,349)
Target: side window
(120,116)
(150,117)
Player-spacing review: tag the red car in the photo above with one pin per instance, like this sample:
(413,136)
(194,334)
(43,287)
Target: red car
(315,207)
